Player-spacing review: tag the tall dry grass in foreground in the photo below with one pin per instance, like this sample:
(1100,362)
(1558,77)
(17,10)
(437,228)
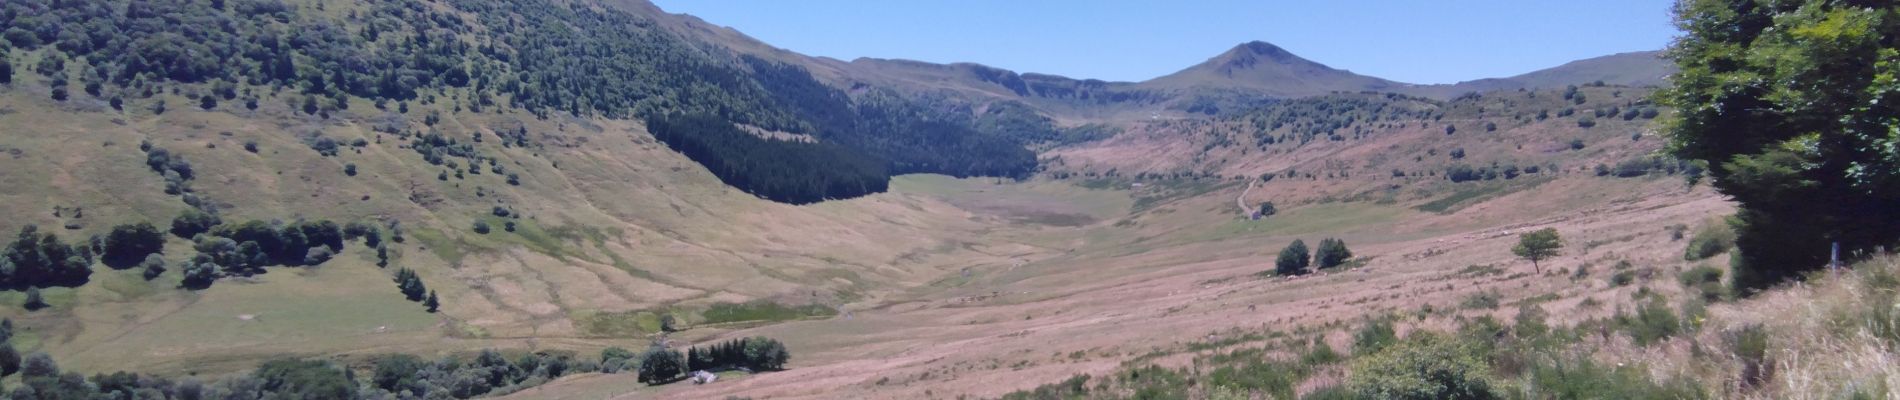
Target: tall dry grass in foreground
(1831,337)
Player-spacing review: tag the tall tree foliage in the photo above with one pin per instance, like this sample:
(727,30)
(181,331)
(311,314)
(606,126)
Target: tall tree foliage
(1795,106)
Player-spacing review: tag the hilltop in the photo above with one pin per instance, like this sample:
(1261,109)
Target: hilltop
(1268,70)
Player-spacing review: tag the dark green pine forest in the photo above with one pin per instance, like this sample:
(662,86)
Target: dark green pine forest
(539,56)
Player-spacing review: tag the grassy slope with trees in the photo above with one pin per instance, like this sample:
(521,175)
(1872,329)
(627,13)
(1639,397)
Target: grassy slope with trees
(479,54)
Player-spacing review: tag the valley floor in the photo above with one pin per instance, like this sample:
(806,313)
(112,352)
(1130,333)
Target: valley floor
(1137,288)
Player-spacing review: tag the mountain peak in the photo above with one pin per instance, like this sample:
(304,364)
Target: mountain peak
(1261,48)
(1267,67)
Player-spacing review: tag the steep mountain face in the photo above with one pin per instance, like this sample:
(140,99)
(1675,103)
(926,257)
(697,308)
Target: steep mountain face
(1270,70)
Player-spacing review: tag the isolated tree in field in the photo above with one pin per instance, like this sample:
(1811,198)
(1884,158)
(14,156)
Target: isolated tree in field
(1332,253)
(1811,163)
(1267,209)
(432,303)
(1538,245)
(1293,259)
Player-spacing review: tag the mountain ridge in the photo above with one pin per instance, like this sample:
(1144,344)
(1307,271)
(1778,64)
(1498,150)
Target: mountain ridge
(1241,66)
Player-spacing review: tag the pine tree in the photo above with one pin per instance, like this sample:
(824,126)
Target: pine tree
(432,303)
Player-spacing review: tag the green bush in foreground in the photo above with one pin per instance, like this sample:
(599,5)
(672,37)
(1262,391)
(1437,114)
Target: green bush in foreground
(1423,367)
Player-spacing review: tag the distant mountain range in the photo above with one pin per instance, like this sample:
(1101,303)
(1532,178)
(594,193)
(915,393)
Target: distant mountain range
(1249,72)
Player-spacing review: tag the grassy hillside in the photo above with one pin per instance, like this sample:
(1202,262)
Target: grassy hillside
(564,192)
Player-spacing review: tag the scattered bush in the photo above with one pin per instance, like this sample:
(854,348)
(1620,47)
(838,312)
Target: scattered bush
(1267,209)
(1622,278)
(152,267)
(33,300)
(1484,300)
(1700,274)
(1375,335)
(1652,322)
(1710,240)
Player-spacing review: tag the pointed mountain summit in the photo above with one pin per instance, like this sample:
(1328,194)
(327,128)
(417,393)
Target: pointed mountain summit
(1270,69)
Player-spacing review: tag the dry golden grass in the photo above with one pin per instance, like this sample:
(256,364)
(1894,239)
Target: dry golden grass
(1829,338)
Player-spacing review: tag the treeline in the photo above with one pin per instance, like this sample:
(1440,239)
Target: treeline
(392,376)
(780,170)
(660,365)
(757,353)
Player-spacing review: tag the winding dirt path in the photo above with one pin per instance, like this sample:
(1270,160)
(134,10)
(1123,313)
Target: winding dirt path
(1242,200)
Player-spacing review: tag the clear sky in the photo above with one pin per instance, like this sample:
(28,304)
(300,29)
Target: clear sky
(1415,41)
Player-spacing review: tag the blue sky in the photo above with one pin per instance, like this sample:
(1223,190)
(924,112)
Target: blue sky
(1416,41)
